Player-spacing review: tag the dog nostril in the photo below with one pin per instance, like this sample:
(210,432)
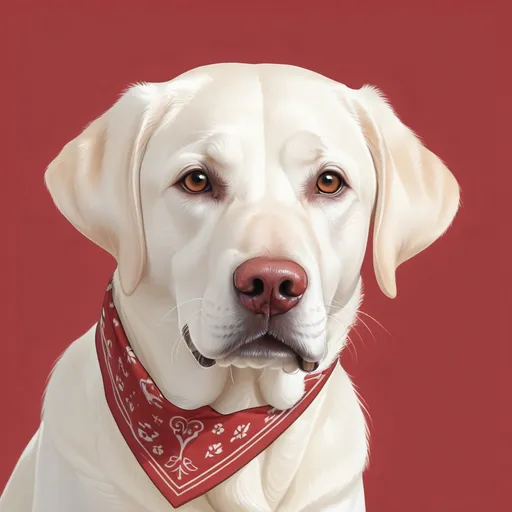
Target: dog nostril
(286,288)
(269,287)
(257,288)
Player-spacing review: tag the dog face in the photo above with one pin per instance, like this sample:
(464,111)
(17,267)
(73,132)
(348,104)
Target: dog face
(247,193)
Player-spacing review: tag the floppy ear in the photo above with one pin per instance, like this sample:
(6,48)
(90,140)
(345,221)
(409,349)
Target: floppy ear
(94,181)
(417,196)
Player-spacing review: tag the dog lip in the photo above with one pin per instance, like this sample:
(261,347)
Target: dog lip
(308,366)
(269,345)
(205,362)
(266,342)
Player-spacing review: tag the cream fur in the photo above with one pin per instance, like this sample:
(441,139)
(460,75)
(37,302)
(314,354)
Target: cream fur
(266,129)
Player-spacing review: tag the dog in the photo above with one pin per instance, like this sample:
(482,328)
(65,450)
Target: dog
(237,200)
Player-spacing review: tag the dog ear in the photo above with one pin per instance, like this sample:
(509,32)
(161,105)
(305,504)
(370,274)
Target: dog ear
(417,196)
(94,181)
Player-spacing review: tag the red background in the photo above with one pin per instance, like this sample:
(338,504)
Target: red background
(437,386)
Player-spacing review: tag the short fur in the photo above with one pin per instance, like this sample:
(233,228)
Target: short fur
(266,130)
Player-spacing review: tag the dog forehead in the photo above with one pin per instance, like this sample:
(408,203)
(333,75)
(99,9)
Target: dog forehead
(265,106)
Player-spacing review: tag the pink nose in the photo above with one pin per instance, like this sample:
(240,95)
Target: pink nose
(270,287)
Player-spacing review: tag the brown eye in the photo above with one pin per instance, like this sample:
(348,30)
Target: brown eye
(330,183)
(196,182)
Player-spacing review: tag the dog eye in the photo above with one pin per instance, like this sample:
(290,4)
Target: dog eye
(196,182)
(330,183)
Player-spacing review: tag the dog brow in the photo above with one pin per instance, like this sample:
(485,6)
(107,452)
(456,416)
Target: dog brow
(304,146)
(224,149)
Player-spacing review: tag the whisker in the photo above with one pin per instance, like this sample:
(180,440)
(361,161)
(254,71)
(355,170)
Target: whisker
(353,328)
(350,345)
(365,325)
(359,312)
(364,406)
(376,321)
(261,374)
(178,306)
(333,306)
(181,338)
(346,336)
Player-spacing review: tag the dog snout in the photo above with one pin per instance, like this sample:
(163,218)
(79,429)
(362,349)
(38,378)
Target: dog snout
(270,287)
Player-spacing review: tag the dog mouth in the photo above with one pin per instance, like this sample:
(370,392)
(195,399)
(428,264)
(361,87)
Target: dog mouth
(266,346)
(205,362)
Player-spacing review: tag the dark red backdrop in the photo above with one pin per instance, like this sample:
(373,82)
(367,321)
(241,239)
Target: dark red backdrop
(437,386)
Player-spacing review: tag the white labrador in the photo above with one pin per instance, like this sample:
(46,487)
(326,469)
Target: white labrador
(184,181)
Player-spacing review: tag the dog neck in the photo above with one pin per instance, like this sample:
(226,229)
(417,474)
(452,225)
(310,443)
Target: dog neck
(150,321)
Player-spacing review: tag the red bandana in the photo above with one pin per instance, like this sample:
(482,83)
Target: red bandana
(185,453)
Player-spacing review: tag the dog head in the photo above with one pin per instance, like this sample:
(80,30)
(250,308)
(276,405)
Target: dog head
(245,193)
